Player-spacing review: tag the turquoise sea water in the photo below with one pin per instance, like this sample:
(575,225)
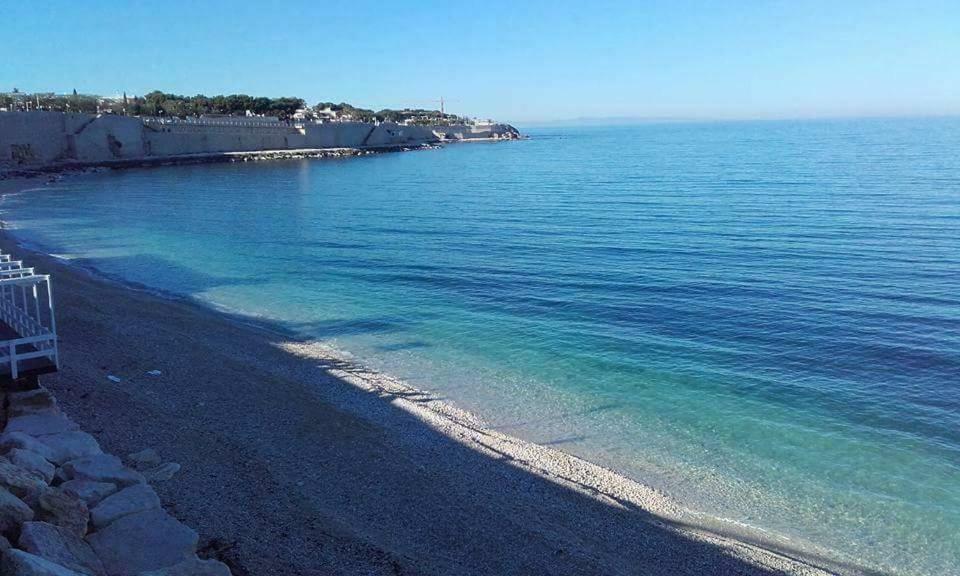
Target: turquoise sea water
(761,319)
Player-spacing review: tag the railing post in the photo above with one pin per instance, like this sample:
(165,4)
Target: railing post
(14,373)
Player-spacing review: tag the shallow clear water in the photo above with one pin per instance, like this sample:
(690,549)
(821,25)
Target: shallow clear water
(762,319)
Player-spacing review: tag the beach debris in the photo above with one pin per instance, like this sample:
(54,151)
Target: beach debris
(113,378)
(60,546)
(144,459)
(136,498)
(162,472)
(154,372)
(143,541)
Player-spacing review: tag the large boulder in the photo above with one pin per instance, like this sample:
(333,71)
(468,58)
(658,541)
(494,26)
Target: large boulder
(32,462)
(192,567)
(23,484)
(13,511)
(136,498)
(11,440)
(40,424)
(20,563)
(101,468)
(69,445)
(143,541)
(89,491)
(65,509)
(60,546)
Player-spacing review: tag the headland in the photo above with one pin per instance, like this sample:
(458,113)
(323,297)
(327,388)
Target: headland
(43,141)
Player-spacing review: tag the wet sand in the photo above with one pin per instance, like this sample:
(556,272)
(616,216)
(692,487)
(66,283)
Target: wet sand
(297,461)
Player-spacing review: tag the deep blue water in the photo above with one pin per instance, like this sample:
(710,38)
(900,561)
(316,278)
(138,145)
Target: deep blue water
(760,318)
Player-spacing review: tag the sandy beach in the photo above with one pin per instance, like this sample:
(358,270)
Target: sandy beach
(297,461)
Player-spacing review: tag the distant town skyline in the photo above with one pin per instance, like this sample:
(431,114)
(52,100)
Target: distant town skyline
(519,62)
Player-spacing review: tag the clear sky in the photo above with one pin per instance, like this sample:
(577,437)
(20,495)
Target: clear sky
(515,60)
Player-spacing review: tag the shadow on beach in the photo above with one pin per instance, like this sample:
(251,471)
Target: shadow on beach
(291,467)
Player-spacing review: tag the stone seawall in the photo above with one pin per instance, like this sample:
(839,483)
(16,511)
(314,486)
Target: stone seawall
(49,139)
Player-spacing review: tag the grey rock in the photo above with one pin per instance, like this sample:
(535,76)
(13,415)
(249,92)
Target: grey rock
(11,440)
(23,484)
(4,544)
(143,541)
(90,491)
(136,498)
(39,401)
(13,511)
(60,546)
(144,459)
(20,563)
(70,445)
(162,472)
(32,462)
(65,509)
(40,424)
(101,468)
(192,567)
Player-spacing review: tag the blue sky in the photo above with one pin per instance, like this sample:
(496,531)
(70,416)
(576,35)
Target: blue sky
(519,60)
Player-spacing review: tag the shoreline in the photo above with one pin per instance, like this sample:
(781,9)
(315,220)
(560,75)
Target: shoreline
(413,420)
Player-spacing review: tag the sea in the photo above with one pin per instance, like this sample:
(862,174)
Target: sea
(760,319)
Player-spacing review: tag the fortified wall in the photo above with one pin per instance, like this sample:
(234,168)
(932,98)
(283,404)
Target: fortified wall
(36,139)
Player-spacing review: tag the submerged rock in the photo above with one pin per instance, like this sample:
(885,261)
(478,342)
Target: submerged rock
(143,541)
(136,498)
(60,546)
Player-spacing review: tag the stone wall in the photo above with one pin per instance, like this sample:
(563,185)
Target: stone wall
(38,139)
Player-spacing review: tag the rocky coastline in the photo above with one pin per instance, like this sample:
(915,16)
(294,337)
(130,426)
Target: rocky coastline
(67,508)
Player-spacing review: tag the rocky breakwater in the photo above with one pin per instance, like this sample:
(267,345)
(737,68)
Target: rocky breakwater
(67,508)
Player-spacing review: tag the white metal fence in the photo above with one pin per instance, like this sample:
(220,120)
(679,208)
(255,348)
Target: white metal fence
(27,311)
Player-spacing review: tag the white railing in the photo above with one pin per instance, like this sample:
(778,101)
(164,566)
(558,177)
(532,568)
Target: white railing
(27,310)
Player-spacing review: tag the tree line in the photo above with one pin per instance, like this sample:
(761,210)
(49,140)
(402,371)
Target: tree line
(159,103)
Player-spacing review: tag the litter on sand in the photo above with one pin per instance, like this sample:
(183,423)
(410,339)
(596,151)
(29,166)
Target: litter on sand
(113,378)
(154,372)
